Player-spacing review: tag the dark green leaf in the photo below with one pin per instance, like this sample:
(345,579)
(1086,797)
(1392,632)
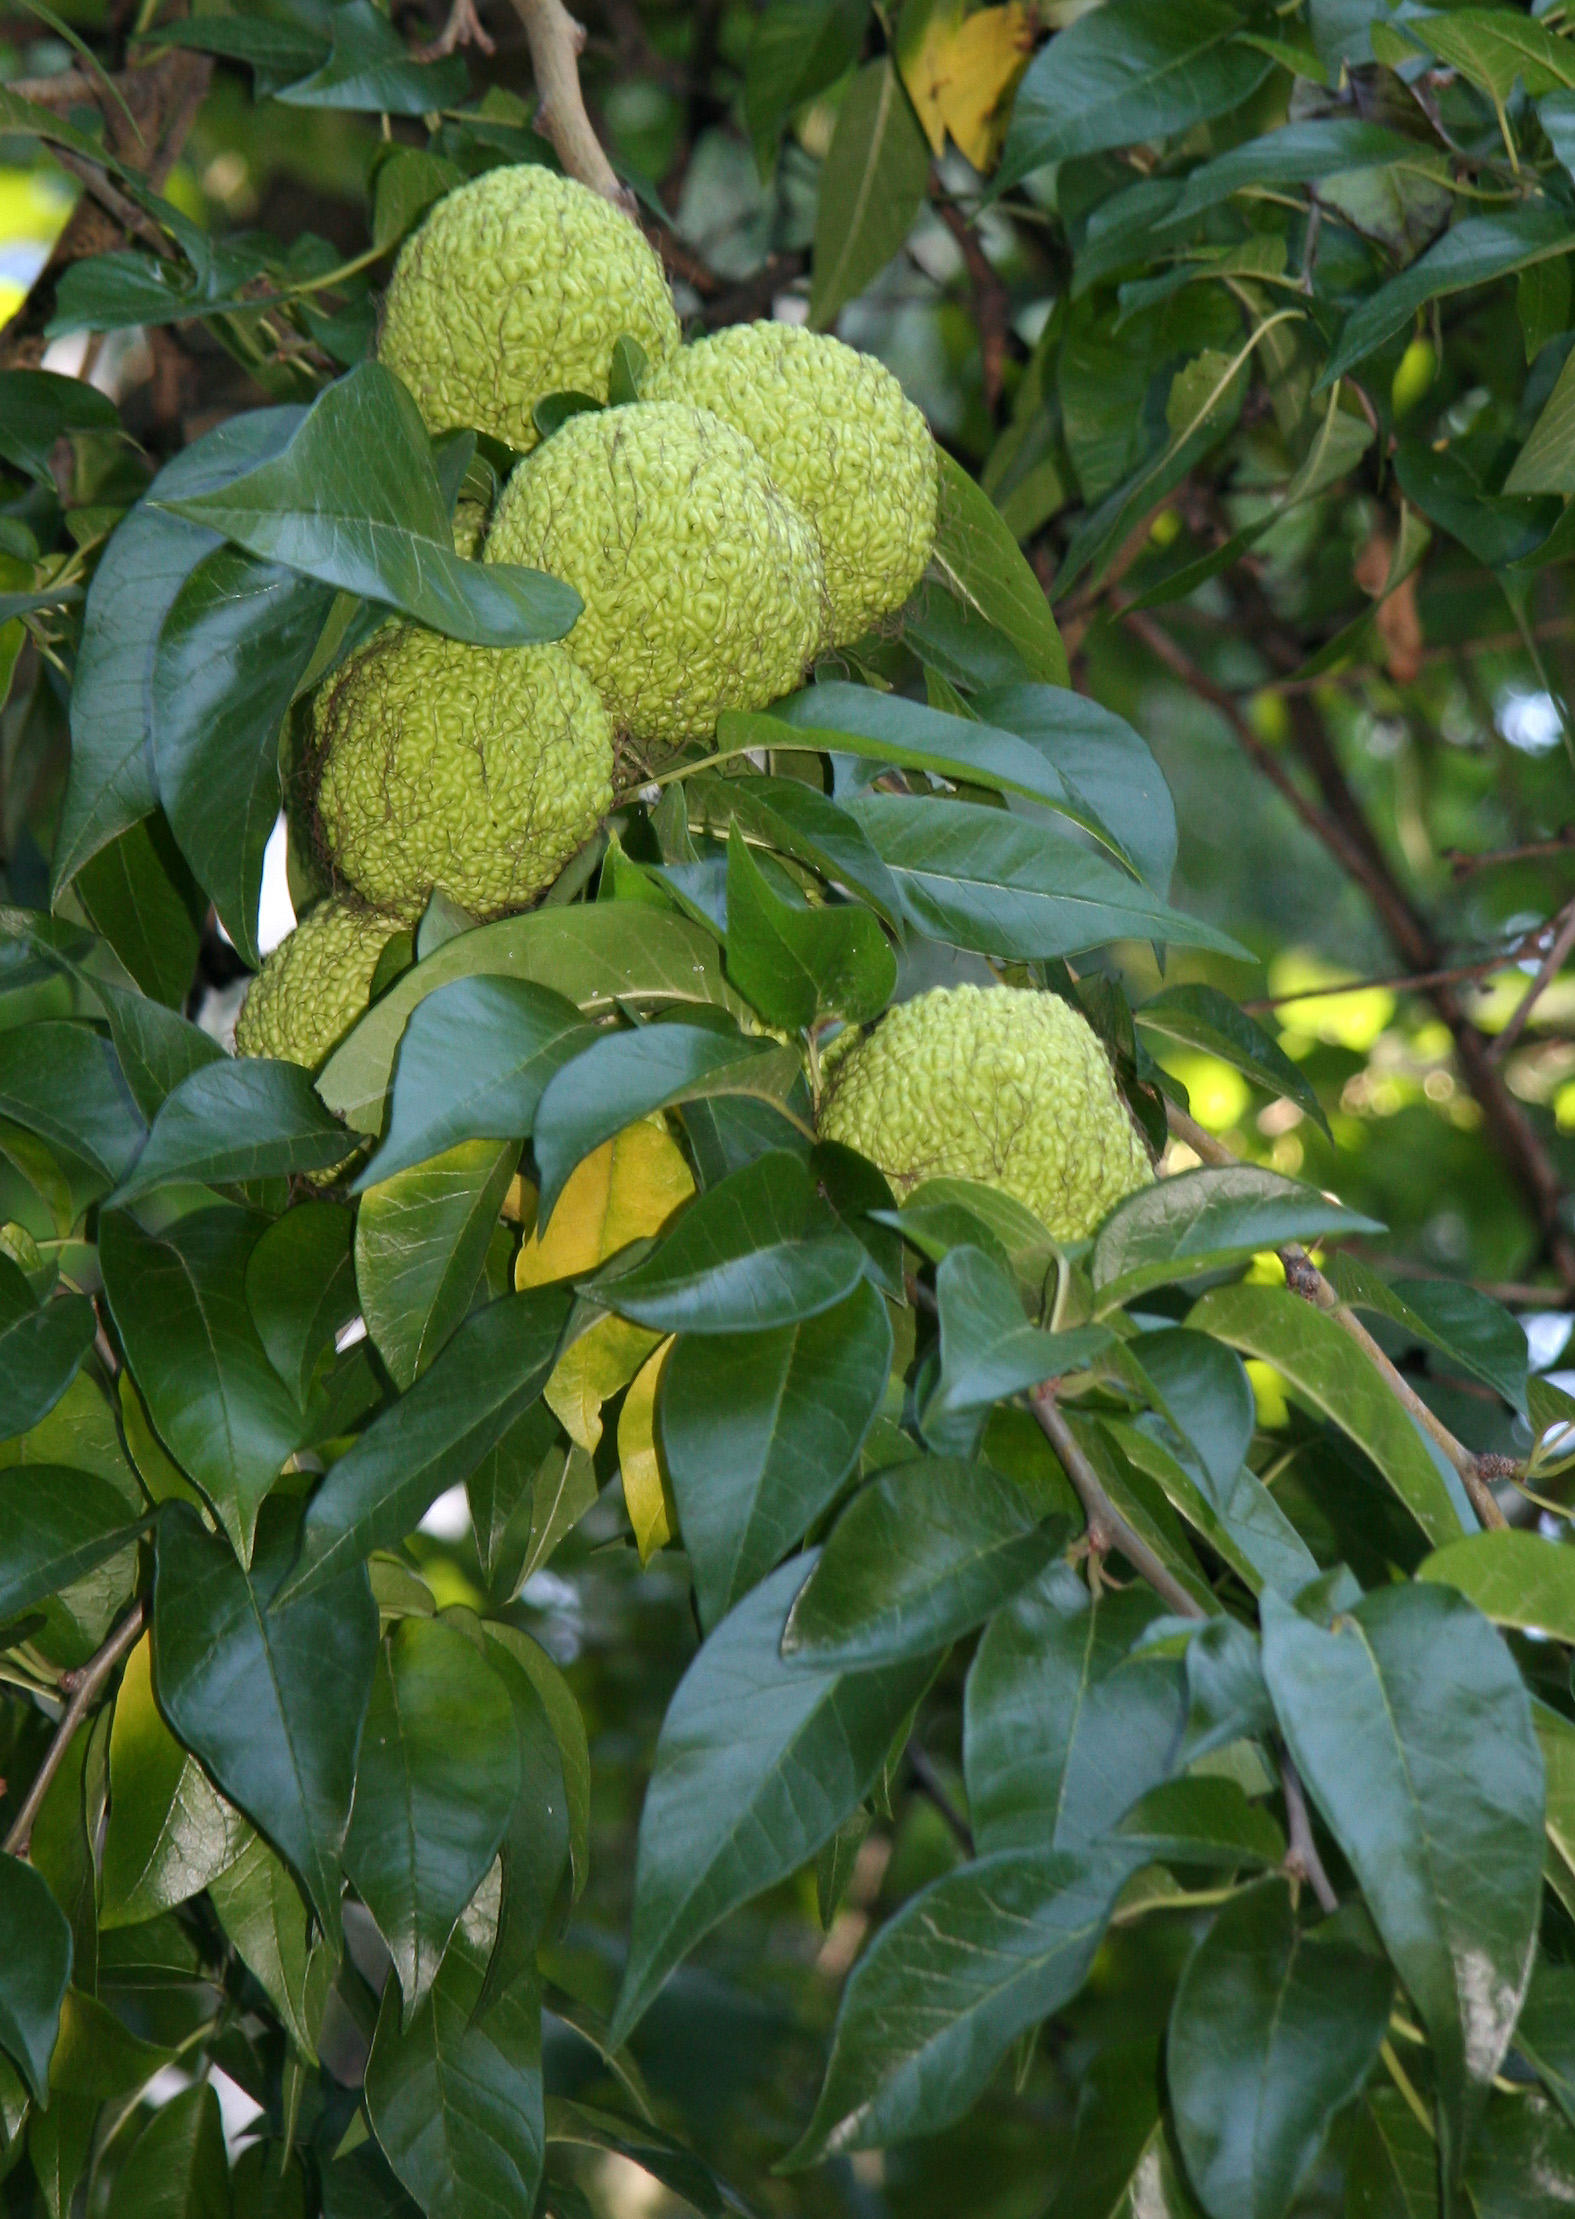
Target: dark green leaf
(149,557)
(179,1304)
(176,2168)
(1098,754)
(799,47)
(982,878)
(1135,69)
(1328,1369)
(1515,1578)
(1474,252)
(922,1555)
(420,1242)
(139,894)
(300,1288)
(628,1075)
(438,1776)
(244,1679)
(1203,1017)
(35,1964)
(61,1081)
(1478,1334)
(1064,1727)
(760,1430)
(37,408)
(989,1350)
(1199,1220)
(262,1911)
(965,1966)
(1205,1821)
(756,1252)
(872,183)
(473,1062)
(798,964)
(56,1525)
(369,68)
(758,1763)
(1273,2030)
(353,501)
(231,651)
(42,1345)
(1408,1722)
(233,1120)
(455,2097)
(490,1373)
(977,554)
(155,1047)
(1545,2032)
(1294,154)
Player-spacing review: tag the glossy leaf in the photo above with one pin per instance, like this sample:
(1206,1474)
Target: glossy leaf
(179,1303)
(473,1061)
(876,170)
(989,1350)
(750,1255)
(922,1555)
(35,1964)
(1064,1729)
(61,1082)
(965,1966)
(420,1242)
(1513,1577)
(237,1120)
(176,2168)
(1327,1368)
(629,1075)
(759,1762)
(240,1675)
(1410,1727)
(1203,1017)
(490,1373)
(170,1832)
(799,964)
(353,501)
(1274,2029)
(56,1525)
(1199,1220)
(300,1288)
(760,1430)
(1472,252)
(42,1345)
(1476,1333)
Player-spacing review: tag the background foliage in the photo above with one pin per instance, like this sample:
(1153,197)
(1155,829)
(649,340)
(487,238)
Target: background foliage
(1251,328)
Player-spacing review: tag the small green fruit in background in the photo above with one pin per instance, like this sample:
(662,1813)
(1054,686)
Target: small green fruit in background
(1414,374)
(477,769)
(518,285)
(991,1083)
(702,581)
(841,439)
(314,984)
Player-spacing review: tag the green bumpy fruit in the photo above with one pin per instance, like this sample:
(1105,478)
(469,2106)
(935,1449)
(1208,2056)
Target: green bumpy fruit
(702,583)
(477,769)
(518,285)
(314,984)
(991,1083)
(840,438)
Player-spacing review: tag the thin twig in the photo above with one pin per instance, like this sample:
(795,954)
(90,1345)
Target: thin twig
(1303,1277)
(556,42)
(992,303)
(1547,971)
(1107,1529)
(463,28)
(84,1687)
(1462,864)
(933,1788)
(1302,1860)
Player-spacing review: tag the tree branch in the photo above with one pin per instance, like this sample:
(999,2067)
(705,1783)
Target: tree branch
(991,301)
(556,42)
(1303,1277)
(1107,1529)
(1302,1860)
(85,1687)
(1547,971)
(933,1788)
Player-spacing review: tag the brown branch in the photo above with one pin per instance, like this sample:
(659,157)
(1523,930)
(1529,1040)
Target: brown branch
(1405,982)
(1303,1277)
(933,1788)
(1463,864)
(992,304)
(556,42)
(1547,971)
(1302,1860)
(463,28)
(84,1688)
(1107,1529)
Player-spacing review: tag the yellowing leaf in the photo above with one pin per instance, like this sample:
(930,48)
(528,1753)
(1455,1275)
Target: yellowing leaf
(627,1189)
(960,70)
(652,1512)
(591,1370)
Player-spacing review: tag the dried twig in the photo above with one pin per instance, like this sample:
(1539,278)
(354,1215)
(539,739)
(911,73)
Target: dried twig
(556,42)
(1547,971)
(1302,1860)
(84,1688)
(1107,1529)
(1303,1277)
(463,28)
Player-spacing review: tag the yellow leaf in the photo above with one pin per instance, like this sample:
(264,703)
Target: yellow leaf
(590,1371)
(961,70)
(627,1189)
(652,1512)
